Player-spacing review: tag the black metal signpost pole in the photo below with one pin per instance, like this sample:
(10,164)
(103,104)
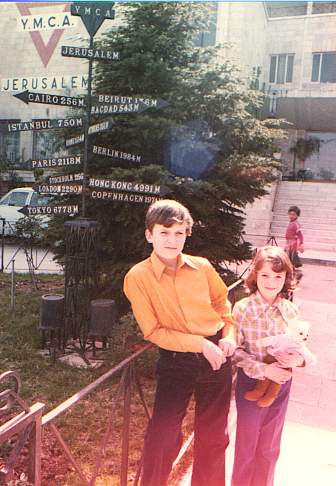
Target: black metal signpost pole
(86,132)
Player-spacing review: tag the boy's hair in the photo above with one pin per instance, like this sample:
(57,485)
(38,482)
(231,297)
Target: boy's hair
(168,212)
(280,262)
(295,209)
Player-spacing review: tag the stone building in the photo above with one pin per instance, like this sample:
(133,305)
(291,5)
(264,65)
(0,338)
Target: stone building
(291,46)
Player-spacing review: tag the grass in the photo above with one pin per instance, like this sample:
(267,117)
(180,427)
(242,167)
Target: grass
(51,382)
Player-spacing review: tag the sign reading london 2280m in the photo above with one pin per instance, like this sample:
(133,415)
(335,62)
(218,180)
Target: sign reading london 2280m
(93,14)
(45,124)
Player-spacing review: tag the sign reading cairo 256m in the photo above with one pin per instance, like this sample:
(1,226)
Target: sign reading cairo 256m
(49,99)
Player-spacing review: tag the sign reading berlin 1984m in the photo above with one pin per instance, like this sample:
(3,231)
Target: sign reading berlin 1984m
(115,154)
(45,124)
(88,53)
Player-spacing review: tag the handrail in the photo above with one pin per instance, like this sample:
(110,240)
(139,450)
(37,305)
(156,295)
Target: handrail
(92,386)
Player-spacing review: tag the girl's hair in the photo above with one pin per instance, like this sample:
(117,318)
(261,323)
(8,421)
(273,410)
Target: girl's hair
(280,263)
(168,212)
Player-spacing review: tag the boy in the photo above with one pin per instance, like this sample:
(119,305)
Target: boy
(294,239)
(180,303)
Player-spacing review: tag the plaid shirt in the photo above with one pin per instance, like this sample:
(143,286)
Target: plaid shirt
(256,319)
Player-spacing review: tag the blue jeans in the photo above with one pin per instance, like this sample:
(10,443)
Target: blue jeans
(258,435)
(180,375)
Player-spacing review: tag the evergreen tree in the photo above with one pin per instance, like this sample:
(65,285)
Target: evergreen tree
(210,104)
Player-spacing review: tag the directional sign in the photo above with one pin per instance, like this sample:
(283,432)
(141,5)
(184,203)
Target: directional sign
(123,197)
(56,162)
(38,210)
(75,140)
(118,109)
(125,186)
(48,99)
(115,153)
(124,100)
(88,53)
(101,127)
(93,14)
(66,178)
(59,188)
(45,124)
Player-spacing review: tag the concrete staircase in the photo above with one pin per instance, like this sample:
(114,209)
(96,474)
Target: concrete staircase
(317,201)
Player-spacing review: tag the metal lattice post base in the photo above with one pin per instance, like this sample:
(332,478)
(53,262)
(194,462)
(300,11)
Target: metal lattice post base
(81,277)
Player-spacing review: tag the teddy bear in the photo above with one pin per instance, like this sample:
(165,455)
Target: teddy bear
(266,391)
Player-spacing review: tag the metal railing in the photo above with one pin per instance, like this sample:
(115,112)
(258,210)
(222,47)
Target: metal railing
(30,423)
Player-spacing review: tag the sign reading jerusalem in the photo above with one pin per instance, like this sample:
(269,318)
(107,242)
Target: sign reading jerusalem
(90,53)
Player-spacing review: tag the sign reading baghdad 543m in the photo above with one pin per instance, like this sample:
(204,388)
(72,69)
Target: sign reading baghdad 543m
(125,186)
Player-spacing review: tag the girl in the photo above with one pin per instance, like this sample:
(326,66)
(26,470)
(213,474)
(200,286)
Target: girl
(264,313)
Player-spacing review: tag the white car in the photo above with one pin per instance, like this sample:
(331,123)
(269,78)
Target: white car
(14,200)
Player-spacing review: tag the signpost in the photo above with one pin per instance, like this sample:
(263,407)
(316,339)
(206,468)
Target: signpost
(48,210)
(49,99)
(87,53)
(44,124)
(115,153)
(57,162)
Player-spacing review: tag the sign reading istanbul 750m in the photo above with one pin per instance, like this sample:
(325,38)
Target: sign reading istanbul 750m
(45,124)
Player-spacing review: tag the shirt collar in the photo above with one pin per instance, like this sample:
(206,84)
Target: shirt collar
(265,305)
(159,267)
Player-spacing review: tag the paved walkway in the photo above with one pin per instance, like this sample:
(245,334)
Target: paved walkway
(308,452)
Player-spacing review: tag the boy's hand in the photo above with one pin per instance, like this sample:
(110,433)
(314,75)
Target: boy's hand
(213,354)
(275,373)
(289,359)
(228,346)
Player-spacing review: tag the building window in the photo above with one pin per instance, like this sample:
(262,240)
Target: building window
(281,68)
(207,37)
(9,147)
(324,67)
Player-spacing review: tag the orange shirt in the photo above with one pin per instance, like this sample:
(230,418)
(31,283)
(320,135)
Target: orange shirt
(175,310)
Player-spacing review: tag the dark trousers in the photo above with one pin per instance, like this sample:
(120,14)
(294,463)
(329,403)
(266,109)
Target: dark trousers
(180,375)
(258,435)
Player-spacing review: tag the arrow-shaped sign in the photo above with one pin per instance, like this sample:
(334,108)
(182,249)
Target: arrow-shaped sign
(59,188)
(118,109)
(66,178)
(57,162)
(45,124)
(123,196)
(135,187)
(49,99)
(90,53)
(48,210)
(93,14)
(125,100)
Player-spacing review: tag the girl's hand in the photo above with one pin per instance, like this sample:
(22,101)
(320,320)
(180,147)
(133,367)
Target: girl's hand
(289,359)
(228,346)
(275,373)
